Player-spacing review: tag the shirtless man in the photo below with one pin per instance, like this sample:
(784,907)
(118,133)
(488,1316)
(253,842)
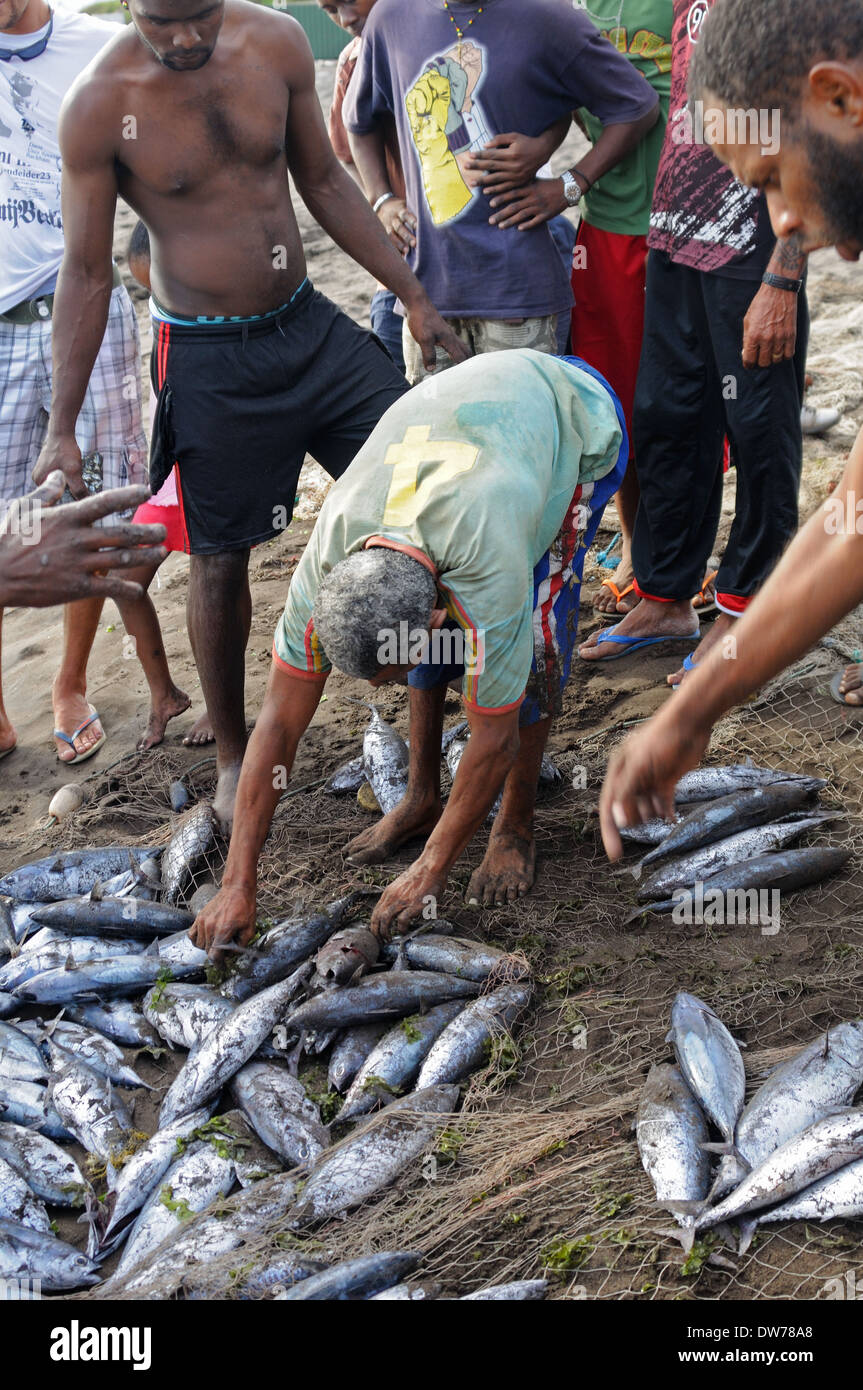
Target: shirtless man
(194,114)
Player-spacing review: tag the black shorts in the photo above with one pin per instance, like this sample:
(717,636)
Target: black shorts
(240,405)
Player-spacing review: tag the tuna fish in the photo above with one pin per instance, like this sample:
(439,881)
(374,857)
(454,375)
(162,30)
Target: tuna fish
(385,761)
(355,1279)
(812,1154)
(114,917)
(839,1195)
(707,783)
(183,1014)
(31,1255)
(729,815)
(345,957)
(18,1202)
(108,978)
(285,945)
(186,854)
(66,1041)
(280,1273)
(709,1060)
(822,1077)
(117,1019)
(520,1289)
(724,854)
(191,1184)
(88,1108)
(391,995)
(70,873)
(26,1103)
(20,1058)
(348,777)
(228,1046)
(394,1063)
(671,1131)
(53,1174)
(464,1044)
(349,1053)
(452,955)
(57,955)
(373,1156)
(133,1184)
(278,1109)
(180,956)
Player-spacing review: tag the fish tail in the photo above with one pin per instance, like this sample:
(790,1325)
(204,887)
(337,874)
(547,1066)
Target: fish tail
(746,1230)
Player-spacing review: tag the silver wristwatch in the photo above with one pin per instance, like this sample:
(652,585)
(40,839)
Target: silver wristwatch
(571,190)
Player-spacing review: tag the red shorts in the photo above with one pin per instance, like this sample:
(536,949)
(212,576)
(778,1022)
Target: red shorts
(169,517)
(608,318)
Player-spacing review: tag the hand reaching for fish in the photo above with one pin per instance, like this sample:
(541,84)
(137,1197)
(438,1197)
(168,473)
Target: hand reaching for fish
(230,914)
(406,898)
(644,771)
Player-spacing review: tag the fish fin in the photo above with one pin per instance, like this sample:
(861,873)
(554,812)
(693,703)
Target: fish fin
(726,1149)
(746,1230)
(684,1208)
(669,1037)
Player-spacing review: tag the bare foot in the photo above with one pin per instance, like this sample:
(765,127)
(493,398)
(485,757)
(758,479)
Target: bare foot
(406,822)
(713,635)
(201,733)
(604,600)
(226,795)
(177,702)
(851,685)
(647,619)
(508,870)
(8,736)
(70,711)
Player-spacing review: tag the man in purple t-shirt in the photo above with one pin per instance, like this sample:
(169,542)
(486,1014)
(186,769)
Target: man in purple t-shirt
(717,280)
(458,78)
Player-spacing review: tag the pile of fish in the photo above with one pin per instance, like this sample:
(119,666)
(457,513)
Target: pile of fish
(793,1152)
(733,833)
(96,958)
(383,763)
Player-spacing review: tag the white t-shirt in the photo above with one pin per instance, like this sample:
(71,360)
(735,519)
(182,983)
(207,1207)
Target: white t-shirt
(31,230)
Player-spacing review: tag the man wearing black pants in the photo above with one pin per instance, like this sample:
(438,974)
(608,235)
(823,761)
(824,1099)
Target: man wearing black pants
(717,281)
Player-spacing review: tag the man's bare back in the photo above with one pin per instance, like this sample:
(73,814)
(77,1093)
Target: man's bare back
(201,155)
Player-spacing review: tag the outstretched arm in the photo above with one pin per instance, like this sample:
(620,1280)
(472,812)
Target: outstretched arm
(83,293)
(289,705)
(335,201)
(818,581)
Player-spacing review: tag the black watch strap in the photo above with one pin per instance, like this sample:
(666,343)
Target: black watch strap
(781,282)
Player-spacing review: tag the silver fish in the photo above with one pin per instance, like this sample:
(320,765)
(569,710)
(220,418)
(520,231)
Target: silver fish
(395,1062)
(114,917)
(385,760)
(57,955)
(183,1014)
(348,777)
(452,955)
(709,1060)
(278,1109)
(88,1107)
(280,1272)
(20,1058)
(69,873)
(253,1159)
(68,1041)
(822,1077)
(728,815)
(391,995)
(108,978)
(521,1289)
(820,1149)
(707,783)
(355,1279)
(117,1019)
(18,1202)
(26,1103)
(179,955)
(187,851)
(133,1183)
(671,1131)
(373,1156)
(191,1184)
(285,945)
(29,1254)
(723,854)
(53,1174)
(349,1053)
(839,1195)
(464,1044)
(345,957)
(228,1047)
(422,1291)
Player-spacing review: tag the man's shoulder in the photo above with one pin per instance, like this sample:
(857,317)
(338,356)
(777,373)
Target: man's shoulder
(84,32)
(260,21)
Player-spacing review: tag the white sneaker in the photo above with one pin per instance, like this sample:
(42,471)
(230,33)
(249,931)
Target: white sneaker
(815,421)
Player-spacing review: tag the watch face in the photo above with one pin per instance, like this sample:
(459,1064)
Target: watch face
(571,191)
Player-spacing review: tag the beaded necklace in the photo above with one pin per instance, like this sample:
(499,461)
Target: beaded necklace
(460,32)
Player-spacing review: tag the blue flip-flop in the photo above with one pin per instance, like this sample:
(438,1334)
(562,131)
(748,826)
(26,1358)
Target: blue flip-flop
(689,664)
(633,644)
(70,739)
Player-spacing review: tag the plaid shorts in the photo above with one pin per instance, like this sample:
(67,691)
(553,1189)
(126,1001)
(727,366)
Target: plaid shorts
(110,419)
(480,336)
